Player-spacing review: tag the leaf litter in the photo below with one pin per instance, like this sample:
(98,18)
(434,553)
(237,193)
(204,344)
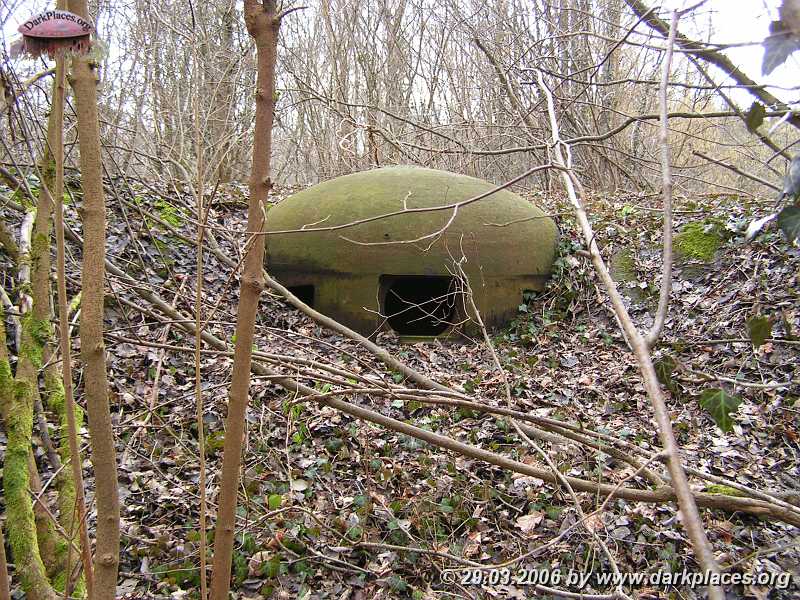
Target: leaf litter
(328,503)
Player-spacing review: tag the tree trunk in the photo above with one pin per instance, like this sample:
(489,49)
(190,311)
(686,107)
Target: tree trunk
(58,381)
(5,593)
(84,84)
(263,23)
(31,537)
(17,406)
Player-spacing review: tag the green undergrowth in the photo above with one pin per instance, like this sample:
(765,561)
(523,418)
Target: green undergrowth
(169,212)
(166,211)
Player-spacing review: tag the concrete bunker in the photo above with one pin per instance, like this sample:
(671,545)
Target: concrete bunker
(398,272)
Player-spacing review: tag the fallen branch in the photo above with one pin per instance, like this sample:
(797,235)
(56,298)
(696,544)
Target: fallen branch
(660,495)
(737,170)
(618,593)
(558,432)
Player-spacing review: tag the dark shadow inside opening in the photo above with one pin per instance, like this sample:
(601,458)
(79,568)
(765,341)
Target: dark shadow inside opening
(420,305)
(305,293)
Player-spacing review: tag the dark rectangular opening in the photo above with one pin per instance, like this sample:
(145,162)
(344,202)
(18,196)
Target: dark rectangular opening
(305,293)
(419,305)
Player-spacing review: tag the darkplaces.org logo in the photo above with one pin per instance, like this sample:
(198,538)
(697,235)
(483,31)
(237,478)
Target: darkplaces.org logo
(56,17)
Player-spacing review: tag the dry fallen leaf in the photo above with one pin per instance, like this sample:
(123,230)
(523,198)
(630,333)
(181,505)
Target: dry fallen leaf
(473,544)
(256,562)
(528,523)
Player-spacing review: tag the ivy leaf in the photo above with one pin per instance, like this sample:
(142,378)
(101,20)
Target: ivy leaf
(778,45)
(783,38)
(664,367)
(754,117)
(760,328)
(757,225)
(720,405)
(789,222)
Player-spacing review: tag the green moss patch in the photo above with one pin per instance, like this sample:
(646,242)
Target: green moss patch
(698,241)
(723,490)
(169,213)
(623,270)
(36,333)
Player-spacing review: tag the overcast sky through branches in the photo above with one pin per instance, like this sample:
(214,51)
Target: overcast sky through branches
(744,22)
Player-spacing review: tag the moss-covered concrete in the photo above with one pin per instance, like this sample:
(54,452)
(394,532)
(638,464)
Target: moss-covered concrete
(508,243)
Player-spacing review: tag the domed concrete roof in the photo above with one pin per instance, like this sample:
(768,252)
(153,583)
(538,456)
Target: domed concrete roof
(508,243)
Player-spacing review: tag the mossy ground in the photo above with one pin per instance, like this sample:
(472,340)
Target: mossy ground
(169,213)
(723,489)
(166,211)
(623,270)
(698,241)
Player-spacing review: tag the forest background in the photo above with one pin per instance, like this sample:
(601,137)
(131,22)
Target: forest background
(564,443)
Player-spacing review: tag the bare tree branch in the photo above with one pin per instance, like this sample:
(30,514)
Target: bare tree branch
(686,501)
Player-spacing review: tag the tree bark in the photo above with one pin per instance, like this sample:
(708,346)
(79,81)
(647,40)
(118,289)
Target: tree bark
(263,23)
(71,493)
(93,213)
(666,191)
(4,582)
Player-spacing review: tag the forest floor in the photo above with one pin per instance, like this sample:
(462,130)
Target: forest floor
(329,502)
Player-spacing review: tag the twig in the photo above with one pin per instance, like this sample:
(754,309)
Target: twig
(25,232)
(737,170)
(574,432)
(155,386)
(745,384)
(406,211)
(709,55)
(686,500)
(763,507)
(44,432)
(12,313)
(7,241)
(666,175)
(17,91)
(64,331)
(203,213)
(476,315)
